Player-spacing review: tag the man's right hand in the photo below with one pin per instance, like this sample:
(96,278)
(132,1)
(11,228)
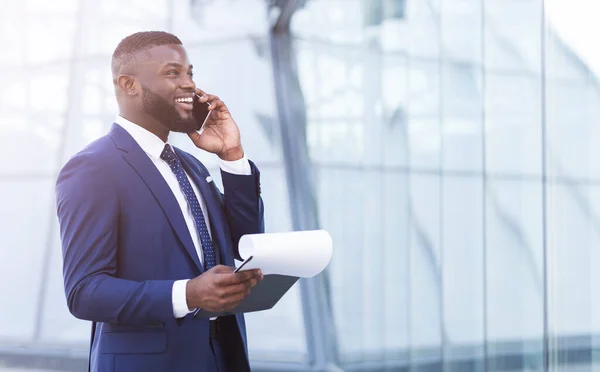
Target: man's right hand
(220,289)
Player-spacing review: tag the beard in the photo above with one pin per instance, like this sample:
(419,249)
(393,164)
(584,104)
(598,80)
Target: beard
(165,113)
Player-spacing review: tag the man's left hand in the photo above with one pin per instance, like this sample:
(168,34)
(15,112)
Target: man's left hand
(221,134)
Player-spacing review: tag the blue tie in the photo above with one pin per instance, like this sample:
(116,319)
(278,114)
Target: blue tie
(175,164)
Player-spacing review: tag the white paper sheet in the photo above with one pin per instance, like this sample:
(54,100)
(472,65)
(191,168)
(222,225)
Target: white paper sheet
(302,254)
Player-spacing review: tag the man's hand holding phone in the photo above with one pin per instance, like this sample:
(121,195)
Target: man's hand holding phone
(217,131)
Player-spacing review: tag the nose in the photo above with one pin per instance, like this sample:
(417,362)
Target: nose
(187,83)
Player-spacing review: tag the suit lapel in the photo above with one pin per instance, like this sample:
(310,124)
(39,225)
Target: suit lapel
(215,213)
(143,166)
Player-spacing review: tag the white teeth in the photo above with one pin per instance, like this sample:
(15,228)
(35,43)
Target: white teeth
(185,100)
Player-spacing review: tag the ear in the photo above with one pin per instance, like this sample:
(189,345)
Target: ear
(127,84)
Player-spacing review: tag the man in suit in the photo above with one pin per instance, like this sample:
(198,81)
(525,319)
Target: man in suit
(147,237)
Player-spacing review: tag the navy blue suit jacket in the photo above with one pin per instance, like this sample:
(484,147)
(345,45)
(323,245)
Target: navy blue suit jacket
(125,242)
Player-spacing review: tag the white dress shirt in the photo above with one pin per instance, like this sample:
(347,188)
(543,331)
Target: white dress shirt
(153,147)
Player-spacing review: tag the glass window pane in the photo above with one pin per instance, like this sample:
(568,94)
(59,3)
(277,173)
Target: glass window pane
(48,93)
(336,188)
(427,331)
(462,106)
(394,87)
(461,23)
(423,27)
(12,14)
(463,271)
(41,34)
(424,80)
(512,35)
(278,334)
(566,27)
(572,114)
(573,260)
(337,21)
(60,7)
(24,222)
(394,263)
(424,115)
(513,127)
(369,281)
(355,273)
(512,57)
(514,278)
(461,73)
(42,136)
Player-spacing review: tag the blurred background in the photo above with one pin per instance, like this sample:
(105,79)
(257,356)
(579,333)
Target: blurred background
(447,145)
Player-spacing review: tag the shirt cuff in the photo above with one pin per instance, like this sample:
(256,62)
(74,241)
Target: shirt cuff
(240,167)
(180,307)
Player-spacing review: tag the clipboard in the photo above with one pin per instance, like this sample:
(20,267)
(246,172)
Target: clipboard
(262,297)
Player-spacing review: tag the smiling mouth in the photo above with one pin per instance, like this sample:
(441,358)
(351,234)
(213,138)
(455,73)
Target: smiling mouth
(186,103)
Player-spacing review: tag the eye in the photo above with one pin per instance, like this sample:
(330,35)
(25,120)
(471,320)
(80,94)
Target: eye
(172,72)
(190,74)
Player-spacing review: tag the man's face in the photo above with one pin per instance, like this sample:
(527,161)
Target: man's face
(165,76)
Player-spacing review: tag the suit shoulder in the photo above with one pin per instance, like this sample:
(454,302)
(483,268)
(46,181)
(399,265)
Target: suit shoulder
(88,177)
(97,155)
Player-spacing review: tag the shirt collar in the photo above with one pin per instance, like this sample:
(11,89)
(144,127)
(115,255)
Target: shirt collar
(148,141)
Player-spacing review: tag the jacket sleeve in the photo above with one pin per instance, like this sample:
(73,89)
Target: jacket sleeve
(243,205)
(88,211)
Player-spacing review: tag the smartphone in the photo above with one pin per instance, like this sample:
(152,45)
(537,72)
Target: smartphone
(201,113)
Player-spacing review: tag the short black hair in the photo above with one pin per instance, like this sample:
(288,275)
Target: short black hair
(123,54)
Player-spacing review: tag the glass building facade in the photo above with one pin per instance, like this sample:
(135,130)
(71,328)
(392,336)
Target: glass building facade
(447,145)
